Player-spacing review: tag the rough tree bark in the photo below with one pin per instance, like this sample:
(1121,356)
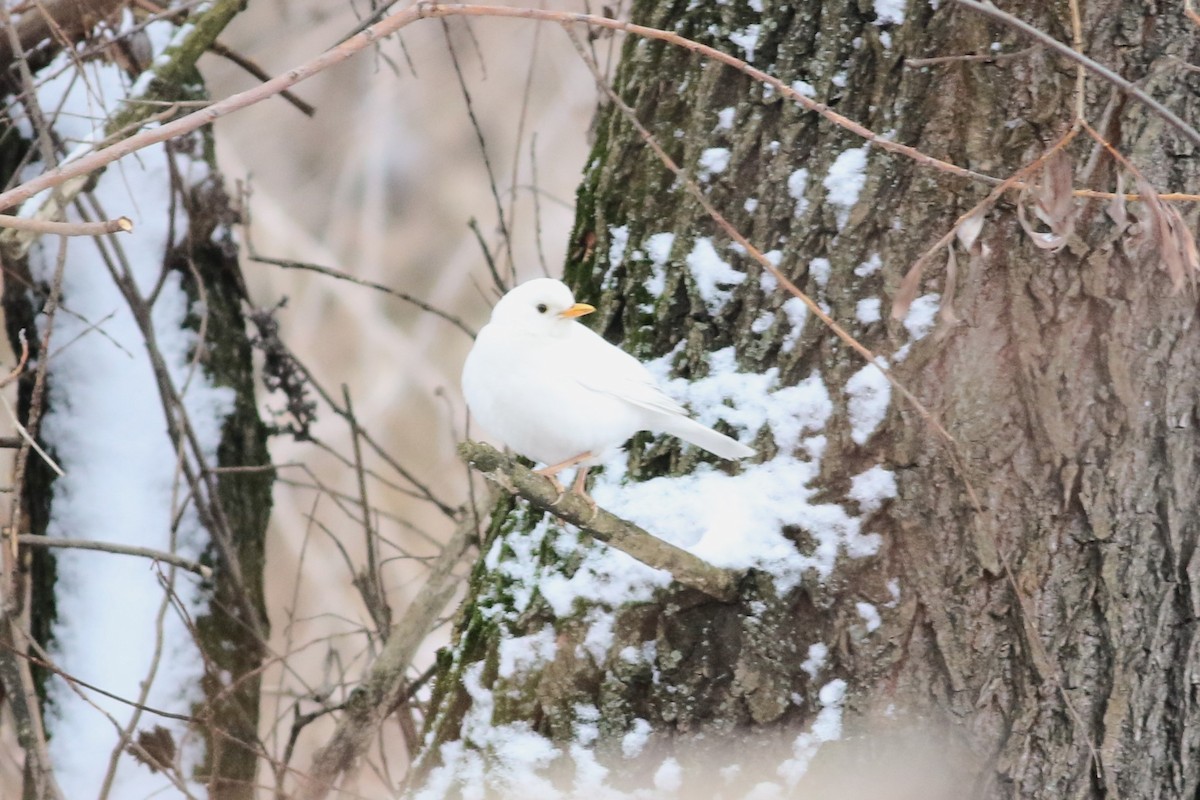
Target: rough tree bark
(1068,385)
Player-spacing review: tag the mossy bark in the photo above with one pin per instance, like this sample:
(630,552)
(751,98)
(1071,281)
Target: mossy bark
(1069,388)
(234,655)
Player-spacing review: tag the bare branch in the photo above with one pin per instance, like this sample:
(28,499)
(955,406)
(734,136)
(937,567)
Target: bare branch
(370,584)
(120,549)
(423,10)
(345,276)
(170,130)
(118,225)
(690,570)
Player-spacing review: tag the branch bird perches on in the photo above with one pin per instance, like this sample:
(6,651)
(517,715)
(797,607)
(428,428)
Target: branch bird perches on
(519,481)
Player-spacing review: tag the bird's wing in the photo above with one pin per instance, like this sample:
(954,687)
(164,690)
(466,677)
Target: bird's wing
(607,369)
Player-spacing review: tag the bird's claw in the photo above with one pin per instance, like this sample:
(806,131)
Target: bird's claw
(587,498)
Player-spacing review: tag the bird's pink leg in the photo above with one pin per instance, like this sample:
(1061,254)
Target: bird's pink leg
(579,487)
(552,471)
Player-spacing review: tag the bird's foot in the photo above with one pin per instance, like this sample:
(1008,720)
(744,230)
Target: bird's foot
(579,487)
(555,482)
(552,471)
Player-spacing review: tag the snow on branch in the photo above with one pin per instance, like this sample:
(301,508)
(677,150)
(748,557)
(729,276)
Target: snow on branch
(520,481)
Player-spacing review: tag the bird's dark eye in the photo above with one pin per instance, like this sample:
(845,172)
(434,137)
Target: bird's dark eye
(541,307)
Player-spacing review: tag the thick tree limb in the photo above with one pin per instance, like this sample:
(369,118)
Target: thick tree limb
(690,570)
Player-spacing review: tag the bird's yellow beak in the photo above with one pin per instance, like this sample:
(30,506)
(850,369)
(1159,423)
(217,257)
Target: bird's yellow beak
(577,310)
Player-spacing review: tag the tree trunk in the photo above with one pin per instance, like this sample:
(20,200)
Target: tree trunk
(1039,645)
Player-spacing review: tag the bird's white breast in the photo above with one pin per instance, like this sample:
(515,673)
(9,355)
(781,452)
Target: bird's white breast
(526,391)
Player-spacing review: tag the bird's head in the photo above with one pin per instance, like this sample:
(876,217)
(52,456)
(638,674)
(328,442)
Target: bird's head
(539,306)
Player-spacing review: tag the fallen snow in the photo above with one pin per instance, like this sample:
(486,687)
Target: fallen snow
(747,39)
(797,315)
(526,653)
(872,488)
(725,118)
(669,776)
(868,310)
(820,269)
(869,394)
(713,161)
(827,727)
(845,181)
(619,238)
(658,248)
(889,12)
(712,274)
(634,742)
(804,88)
(817,653)
(869,267)
(869,615)
(108,430)
(922,315)
(797,185)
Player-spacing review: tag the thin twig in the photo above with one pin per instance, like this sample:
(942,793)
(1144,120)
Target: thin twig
(371,585)
(34,225)
(219,48)
(537,205)
(979,58)
(344,276)
(174,560)
(505,234)
(497,281)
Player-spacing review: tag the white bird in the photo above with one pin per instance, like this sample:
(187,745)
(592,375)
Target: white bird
(558,393)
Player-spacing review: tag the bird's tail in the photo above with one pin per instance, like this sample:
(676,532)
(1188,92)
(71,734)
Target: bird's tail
(716,443)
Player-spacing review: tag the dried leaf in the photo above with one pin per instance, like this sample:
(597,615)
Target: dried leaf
(909,288)
(1046,240)
(1184,243)
(1163,229)
(1054,205)
(155,748)
(1056,199)
(969,230)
